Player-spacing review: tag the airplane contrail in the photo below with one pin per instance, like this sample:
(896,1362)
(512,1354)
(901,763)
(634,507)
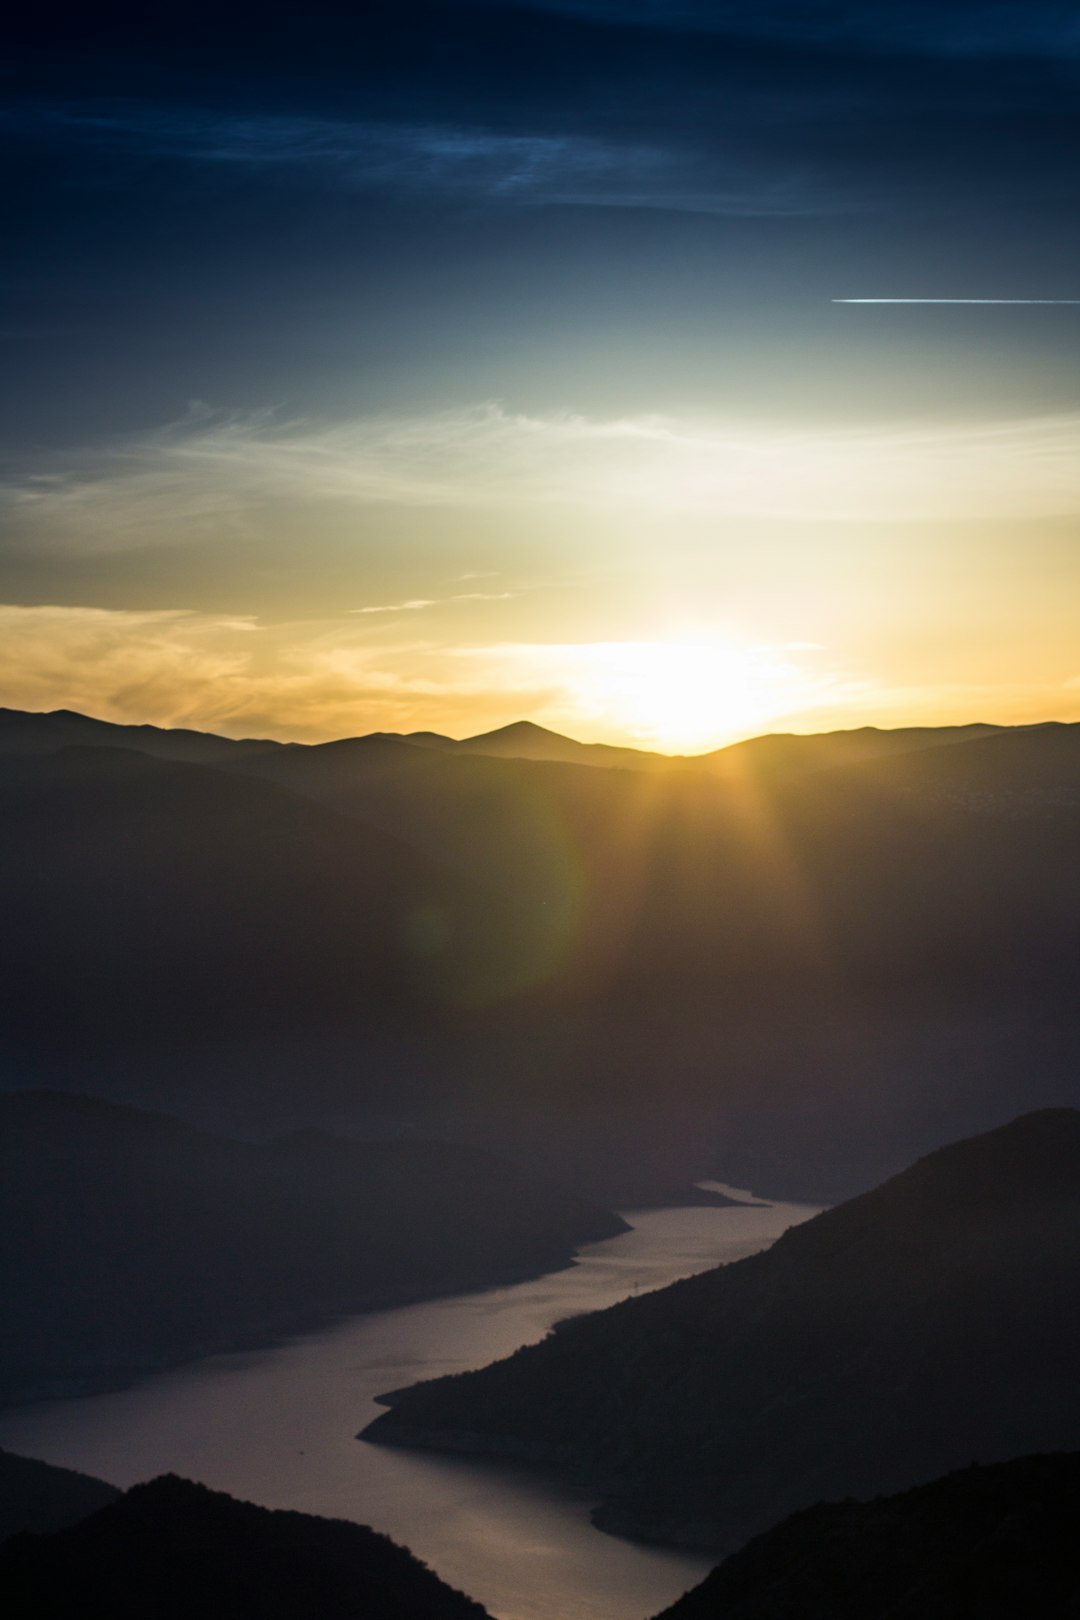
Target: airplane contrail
(956,300)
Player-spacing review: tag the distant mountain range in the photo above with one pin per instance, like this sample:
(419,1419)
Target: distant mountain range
(926,1324)
(22,731)
(174,1550)
(788,963)
(131,1241)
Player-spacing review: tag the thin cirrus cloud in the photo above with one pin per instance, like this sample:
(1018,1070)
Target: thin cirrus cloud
(175,667)
(447,162)
(417,604)
(311,681)
(213,475)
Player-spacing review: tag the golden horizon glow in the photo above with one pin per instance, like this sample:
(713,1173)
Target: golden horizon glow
(314,681)
(684,694)
(665,583)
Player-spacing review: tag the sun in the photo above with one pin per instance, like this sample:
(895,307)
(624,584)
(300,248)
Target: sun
(686,695)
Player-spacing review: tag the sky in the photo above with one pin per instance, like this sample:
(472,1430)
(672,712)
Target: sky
(437,366)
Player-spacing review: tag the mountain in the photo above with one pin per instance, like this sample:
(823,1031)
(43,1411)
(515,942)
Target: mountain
(129,1241)
(1005,772)
(912,872)
(26,733)
(789,754)
(175,1550)
(525,740)
(22,732)
(140,894)
(926,1324)
(911,917)
(993,1542)
(792,976)
(36,1496)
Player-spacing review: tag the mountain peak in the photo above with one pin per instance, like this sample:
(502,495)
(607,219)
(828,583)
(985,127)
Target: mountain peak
(519,729)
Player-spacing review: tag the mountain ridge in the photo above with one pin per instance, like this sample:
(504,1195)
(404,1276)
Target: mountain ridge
(528,734)
(928,1322)
(225,1244)
(175,1549)
(994,1541)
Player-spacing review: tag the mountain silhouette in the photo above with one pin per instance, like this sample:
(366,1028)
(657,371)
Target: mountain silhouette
(992,1542)
(132,1241)
(175,1550)
(780,755)
(522,739)
(888,913)
(39,1497)
(26,733)
(926,1324)
(138,892)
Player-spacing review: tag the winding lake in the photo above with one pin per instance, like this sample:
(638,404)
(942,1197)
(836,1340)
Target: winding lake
(278,1427)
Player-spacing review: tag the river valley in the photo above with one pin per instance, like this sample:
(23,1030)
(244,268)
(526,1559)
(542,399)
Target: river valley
(278,1427)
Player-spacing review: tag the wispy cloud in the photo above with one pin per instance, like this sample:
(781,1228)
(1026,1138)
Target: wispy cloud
(416,603)
(316,680)
(449,163)
(306,680)
(212,475)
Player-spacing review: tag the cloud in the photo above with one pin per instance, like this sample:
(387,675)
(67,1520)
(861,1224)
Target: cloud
(178,668)
(215,475)
(121,665)
(449,163)
(312,681)
(416,603)
(308,681)
(318,680)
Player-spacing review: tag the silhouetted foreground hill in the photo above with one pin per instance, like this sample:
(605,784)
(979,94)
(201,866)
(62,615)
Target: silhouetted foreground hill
(128,1240)
(36,1496)
(929,1323)
(176,1551)
(992,1543)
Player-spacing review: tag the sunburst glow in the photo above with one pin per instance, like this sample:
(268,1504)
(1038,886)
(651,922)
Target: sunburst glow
(687,694)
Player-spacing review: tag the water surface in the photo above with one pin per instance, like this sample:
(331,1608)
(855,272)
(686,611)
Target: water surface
(278,1427)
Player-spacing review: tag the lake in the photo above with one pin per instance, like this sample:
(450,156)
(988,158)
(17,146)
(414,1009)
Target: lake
(278,1427)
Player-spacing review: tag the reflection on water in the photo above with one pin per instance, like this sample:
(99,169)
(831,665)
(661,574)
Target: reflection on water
(278,1427)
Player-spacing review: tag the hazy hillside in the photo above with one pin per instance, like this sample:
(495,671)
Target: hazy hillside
(793,974)
(174,896)
(916,875)
(36,1496)
(789,754)
(993,1542)
(25,733)
(128,1240)
(846,966)
(175,1550)
(524,740)
(929,1323)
